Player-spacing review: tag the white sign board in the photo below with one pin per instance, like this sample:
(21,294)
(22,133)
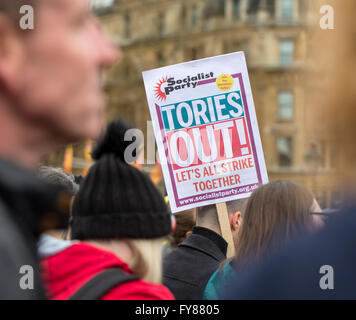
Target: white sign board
(206,130)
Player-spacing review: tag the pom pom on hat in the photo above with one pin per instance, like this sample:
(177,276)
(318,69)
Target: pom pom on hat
(113,141)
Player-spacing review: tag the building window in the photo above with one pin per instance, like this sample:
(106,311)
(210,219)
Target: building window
(160,59)
(183,14)
(195,16)
(214,8)
(226,47)
(194,54)
(127,22)
(285,105)
(271,8)
(161,24)
(286,48)
(284,149)
(253,6)
(287,9)
(235,46)
(236,8)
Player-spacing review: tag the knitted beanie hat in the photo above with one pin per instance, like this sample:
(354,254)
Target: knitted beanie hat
(115,199)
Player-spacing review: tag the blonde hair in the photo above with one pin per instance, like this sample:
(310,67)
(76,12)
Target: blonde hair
(145,255)
(146,259)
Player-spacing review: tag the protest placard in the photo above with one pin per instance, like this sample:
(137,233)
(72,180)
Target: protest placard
(206,130)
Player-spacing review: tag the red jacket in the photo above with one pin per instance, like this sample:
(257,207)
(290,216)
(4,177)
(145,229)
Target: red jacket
(68,270)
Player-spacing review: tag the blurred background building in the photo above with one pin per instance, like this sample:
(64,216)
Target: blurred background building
(277,37)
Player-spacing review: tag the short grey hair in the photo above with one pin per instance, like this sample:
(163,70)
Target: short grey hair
(57,176)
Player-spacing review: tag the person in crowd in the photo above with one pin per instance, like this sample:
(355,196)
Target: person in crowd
(56,240)
(57,176)
(185,221)
(187,269)
(322,265)
(120,219)
(50,95)
(275,213)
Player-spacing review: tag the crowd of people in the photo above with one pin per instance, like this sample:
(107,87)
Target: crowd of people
(111,231)
(112,236)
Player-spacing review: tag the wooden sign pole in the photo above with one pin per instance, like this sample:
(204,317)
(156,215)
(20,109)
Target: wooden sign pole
(225,228)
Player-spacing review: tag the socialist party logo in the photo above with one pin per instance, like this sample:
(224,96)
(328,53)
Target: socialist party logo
(166,86)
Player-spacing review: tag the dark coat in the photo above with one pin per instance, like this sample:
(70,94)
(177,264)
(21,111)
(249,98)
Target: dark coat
(188,268)
(24,202)
(296,272)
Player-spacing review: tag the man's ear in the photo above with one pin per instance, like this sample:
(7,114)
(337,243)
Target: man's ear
(235,220)
(239,218)
(12,55)
(188,233)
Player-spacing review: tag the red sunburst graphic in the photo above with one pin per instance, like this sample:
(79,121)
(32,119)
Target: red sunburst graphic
(160,95)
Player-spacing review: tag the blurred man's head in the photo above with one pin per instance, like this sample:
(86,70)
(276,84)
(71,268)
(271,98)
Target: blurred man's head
(50,76)
(57,176)
(207,216)
(335,58)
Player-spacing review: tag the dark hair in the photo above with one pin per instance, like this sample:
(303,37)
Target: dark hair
(275,213)
(185,221)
